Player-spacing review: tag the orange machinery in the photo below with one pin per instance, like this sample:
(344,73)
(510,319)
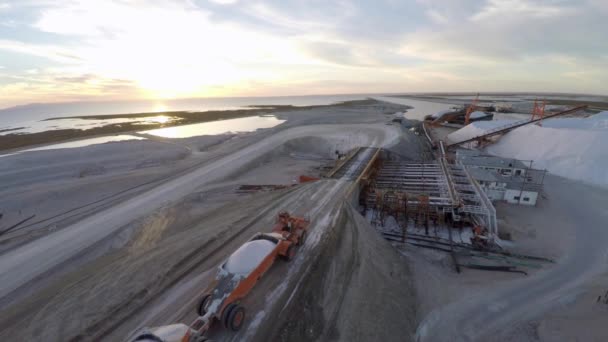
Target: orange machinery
(538,111)
(470,109)
(223,296)
(479,240)
(221,301)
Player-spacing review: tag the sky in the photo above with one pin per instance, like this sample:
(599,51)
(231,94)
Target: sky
(55,51)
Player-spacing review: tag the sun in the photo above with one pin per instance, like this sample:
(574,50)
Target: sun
(160,107)
(167,85)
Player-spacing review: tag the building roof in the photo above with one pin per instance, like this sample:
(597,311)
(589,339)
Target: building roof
(483,175)
(532,181)
(491,161)
(478,158)
(460,152)
(532,187)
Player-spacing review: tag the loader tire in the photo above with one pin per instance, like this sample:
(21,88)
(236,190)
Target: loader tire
(202,306)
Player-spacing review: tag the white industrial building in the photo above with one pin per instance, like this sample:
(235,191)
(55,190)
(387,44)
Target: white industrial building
(493,186)
(521,196)
(503,179)
(503,166)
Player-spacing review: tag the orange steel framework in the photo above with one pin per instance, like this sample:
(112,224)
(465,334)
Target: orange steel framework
(422,212)
(423,194)
(538,112)
(470,110)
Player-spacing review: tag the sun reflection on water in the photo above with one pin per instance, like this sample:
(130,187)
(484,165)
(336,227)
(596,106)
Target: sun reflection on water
(161,119)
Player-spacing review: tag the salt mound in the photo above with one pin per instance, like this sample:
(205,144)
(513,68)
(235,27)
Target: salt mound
(476,129)
(477,115)
(248,257)
(572,153)
(595,122)
(441,113)
(569,147)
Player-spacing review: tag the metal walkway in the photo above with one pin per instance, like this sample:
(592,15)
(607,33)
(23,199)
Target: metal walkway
(353,167)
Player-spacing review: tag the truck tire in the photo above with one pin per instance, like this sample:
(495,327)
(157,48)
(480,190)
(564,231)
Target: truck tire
(302,238)
(290,253)
(202,305)
(236,317)
(226,313)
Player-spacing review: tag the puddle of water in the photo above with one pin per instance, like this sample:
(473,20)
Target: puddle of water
(247,124)
(84,124)
(80,143)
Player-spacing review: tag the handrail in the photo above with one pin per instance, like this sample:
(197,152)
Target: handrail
(341,164)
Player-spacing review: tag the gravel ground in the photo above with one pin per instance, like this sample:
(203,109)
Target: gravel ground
(134,261)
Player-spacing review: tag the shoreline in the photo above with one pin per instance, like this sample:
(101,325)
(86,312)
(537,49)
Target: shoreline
(11,143)
(599,103)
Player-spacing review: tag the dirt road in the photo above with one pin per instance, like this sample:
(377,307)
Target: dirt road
(322,202)
(573,209)
(178,304)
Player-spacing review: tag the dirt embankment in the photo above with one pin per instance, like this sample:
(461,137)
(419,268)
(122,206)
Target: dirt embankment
(95,299)
(136,262)
(567,225)
(358,289)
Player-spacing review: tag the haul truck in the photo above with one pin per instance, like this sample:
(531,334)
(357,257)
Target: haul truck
(235,278)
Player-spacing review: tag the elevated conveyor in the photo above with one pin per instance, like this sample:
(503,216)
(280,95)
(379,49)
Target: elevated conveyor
(512,126)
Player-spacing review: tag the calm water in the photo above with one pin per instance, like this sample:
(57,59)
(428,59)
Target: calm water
(30,116)
(83,124)
(12,117)
(80,143)
(247,124)
(421,108)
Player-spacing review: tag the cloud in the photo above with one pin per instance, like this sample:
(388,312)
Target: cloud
(224,2)
(436,16)
(170,49)
(75,79)
(333,52)
(600,5)
(497,9)
(517,45)
(9,23)
(188,48)
(96,18)
(287,19)
(46,86)
(511,30)
(52,52)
